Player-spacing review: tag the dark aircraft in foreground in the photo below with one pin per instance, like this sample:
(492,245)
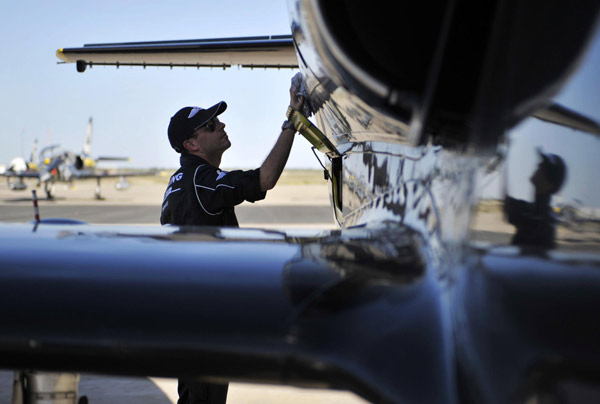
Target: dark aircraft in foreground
(56,165)
(416,298)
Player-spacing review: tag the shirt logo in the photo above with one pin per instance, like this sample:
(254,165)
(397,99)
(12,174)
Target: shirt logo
(175,178)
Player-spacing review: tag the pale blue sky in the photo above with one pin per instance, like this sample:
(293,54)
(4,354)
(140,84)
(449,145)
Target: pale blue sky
(131,106)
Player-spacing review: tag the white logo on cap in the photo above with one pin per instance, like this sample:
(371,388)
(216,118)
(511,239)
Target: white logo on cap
(193,112)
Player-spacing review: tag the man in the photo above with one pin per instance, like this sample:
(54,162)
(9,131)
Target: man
(535,223)
(200,193)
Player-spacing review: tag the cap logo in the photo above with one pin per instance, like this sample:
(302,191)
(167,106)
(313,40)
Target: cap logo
(193,112)
(552,158)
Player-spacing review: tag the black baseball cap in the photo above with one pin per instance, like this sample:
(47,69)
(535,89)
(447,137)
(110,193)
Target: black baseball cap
(188,119)
(555,169)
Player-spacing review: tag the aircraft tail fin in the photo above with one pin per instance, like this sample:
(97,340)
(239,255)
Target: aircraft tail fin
(33,158)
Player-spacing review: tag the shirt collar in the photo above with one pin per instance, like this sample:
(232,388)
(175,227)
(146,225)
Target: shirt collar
(191,159)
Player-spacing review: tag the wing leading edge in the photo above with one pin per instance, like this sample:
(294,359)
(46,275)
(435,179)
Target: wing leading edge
(250,52)
(560,115)
(277,51)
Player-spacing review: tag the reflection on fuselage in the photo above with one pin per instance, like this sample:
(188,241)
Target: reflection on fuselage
(544,220)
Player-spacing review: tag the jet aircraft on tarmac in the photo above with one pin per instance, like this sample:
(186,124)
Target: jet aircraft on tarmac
(412,102)
(56,165)
(20,165)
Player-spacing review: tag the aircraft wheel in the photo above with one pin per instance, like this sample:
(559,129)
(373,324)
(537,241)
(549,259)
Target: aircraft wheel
(49,188)
(98,189)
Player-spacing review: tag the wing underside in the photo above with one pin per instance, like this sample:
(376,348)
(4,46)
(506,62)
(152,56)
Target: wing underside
(560,115)
(231,304)
(251,52)
(118,174)
(21,174)
(247,52)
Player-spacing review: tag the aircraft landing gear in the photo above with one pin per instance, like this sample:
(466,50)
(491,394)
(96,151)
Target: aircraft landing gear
(37,387)
(18,185)
(49,188)
(97,193)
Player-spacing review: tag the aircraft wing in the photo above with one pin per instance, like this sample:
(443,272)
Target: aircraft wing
(21,174)
(360,309)
(111,158)
(109,174)
(44,176)
(560,115)
(205,301)
(99,174)
(260,52)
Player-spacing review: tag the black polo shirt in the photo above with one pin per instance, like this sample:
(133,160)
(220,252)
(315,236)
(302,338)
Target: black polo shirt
(535,224)
(201,194)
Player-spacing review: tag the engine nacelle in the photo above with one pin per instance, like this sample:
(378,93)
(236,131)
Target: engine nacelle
(459,72)
(79,164)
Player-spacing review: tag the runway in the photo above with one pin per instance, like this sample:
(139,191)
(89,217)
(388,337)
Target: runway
(292,204)
(101,389)
(248,216)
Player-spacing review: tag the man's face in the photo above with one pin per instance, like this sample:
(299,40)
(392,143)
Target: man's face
(540,180)
(211,138)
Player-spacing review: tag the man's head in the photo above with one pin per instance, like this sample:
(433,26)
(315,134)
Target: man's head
(550,174)
(190,126)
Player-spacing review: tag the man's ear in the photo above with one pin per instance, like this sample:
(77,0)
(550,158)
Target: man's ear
(189,145)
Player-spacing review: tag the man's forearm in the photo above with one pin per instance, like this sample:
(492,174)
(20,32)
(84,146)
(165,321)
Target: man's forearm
(271,169)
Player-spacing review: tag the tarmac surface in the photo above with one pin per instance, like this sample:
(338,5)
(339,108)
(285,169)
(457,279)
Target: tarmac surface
(292,204)
(100,389)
